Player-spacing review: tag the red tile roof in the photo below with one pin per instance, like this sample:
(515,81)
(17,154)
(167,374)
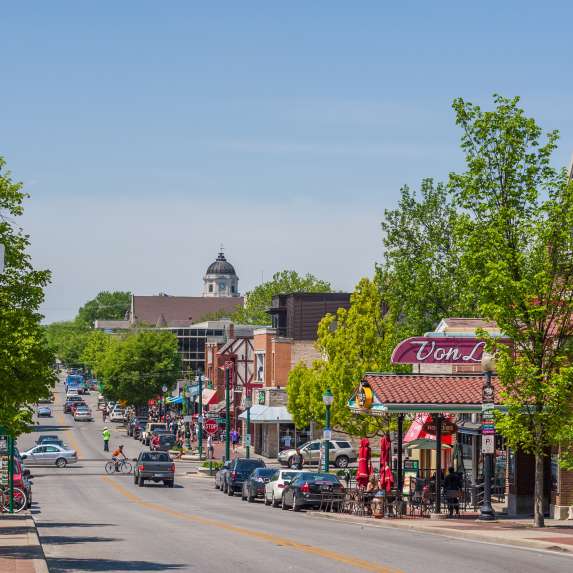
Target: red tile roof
(180,310)
(428,388)
(459,322)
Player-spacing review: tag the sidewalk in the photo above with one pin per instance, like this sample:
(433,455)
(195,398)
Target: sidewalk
(556,536)
(20,549)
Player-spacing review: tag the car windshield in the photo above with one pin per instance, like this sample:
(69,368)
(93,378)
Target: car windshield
(154,457)
(264,472)
(250,464)
(166,438)
(289,475)
(323,477)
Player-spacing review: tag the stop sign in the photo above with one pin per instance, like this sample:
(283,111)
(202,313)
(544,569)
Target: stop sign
(211,426)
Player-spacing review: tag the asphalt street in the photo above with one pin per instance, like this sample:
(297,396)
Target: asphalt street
(88,521)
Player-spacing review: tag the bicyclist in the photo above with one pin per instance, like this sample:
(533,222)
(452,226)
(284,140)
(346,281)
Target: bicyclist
(116,455)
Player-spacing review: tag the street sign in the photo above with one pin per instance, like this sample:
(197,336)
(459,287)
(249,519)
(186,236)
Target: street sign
(187,419)
(211,426)
(488,444)
(487,407)
(327,435)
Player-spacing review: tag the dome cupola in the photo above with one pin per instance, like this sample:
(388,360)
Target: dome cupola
(221,280)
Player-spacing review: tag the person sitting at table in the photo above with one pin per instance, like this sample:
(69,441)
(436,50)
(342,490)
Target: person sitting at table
(372,486)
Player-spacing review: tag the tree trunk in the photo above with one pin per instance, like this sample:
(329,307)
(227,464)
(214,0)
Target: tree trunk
(538,516)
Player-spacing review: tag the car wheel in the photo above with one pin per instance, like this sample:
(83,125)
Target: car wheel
(135,480)
(275,502)
(141,482)
(250,498)
(61,462)
(295,507)
(216,485)
(284,506)
(341,462)
(267,502)
(230,491)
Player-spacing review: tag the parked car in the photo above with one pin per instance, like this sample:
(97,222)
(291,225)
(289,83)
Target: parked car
(341,453)
(254,485)
(46,400)
(50,454)
(82,414)
(220,475)
(308,490)
(154,466)
(44,412)
(238,472)
(166,442)
(135,425)
(146,434)
(45,438)
(22,479)
(117,415)
(275,486)
(70,401)
(77,405)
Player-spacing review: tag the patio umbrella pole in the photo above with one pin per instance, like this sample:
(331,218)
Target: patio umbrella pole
(438,463)
(400,436)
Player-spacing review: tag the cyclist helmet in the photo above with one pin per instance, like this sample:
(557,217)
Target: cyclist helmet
(121,447)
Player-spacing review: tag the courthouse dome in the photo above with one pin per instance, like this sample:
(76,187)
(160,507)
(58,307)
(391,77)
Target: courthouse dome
(221,266)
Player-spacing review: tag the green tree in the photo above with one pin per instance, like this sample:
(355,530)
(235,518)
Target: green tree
(68,339)
(105,306)
(26,372)
(135,367)
(422,278)
(259,299)
(95,348)
(354,341)
(517,231)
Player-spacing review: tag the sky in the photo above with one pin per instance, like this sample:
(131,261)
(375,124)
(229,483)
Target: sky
(150,133)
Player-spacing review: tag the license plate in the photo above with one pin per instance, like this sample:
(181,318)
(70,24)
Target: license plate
(158,475)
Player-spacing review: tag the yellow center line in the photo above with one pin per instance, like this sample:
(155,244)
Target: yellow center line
(260,535)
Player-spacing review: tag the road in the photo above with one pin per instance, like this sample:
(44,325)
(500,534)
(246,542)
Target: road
(88,521)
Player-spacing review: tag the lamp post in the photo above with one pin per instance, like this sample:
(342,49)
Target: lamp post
(248,404)
(488,436)
(164,409)
(327,398)
(187,416)
(227,412)
(200,417)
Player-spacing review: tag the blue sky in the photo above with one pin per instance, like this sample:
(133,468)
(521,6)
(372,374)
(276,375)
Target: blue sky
(150,132)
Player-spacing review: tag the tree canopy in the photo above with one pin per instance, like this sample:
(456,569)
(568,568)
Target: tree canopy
(26,362)
(259,299)
(107,305)
(136,366)
(516,227)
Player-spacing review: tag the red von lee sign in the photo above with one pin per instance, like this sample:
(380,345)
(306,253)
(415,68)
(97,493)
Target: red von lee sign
(439,350)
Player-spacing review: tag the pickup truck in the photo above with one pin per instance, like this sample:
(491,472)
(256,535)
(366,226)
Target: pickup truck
(146,434)
(154,466)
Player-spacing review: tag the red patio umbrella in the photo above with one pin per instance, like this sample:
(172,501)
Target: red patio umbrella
(364,463)
(385,445)
(386,478)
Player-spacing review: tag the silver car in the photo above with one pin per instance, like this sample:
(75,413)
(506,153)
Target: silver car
(49,455)
(341,453)
(83,414)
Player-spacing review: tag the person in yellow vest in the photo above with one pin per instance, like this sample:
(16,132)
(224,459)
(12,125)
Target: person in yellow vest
(106,435)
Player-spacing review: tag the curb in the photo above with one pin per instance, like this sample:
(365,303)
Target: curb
(553,548)
(40,565)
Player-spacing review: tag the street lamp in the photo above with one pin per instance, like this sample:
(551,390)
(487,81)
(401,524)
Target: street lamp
(327,398)
(200,417)
(163,389)
(488,435)
(248,404)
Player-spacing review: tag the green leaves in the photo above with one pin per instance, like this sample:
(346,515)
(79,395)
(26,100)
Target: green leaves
(25,361)
(259,299)
(105,306)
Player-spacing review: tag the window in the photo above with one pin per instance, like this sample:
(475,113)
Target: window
(260,366)
(314,446)
(210,288)
(232,289)
(51,449)
(343,444)
(221,287)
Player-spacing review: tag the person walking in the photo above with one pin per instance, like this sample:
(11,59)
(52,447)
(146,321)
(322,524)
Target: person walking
(453,485)
(106,435)
(235,439)
(210,447)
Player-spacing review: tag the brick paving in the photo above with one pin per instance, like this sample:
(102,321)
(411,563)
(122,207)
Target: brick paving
(20,550)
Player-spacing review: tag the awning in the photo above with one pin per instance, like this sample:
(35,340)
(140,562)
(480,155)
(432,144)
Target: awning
(268,415)
(209,396)
(425,444)
(175,400)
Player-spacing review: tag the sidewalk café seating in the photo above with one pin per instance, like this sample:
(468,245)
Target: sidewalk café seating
(332,501)
(419,499)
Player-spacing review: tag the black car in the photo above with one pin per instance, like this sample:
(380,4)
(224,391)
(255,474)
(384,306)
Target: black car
(135,426)
(310,490)
(254,485)
(166,442)
(70,402)
(239,470)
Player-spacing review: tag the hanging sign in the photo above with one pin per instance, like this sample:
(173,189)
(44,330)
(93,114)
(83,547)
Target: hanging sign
(448,427)
(440,350)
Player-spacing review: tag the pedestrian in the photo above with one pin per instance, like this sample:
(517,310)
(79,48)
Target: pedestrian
(296,460)
(452,488)
(104,414)
(210,447)
(235,439)
(106,435)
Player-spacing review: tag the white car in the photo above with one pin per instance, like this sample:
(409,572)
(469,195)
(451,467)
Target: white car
(72,392)
(274,487)
(117,415)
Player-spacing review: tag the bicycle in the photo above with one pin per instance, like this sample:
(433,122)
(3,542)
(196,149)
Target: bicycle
(121,466)
(20,500)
